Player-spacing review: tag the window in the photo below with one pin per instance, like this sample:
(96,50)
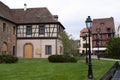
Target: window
(98,36)
(85,45)
(109,35)
(13,50)
(84,38)
(83,51)
(4,27)
(48,49)
(102,23)
(29,30)
(41,29)
(95,35)
(14,30)
(98,42)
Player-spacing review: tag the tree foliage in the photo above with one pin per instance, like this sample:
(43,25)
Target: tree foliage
(113,47)
(69,46)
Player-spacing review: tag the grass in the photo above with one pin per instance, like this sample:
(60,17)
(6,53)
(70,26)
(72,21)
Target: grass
(42,69)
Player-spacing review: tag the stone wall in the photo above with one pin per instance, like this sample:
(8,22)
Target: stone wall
(8,36)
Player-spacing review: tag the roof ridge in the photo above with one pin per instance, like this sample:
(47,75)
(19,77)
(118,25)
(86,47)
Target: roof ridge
(29,8)
(102,18)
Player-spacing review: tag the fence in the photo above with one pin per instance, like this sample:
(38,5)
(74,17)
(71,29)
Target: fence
(110,73)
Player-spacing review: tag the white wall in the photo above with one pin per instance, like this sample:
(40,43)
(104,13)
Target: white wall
(38,44)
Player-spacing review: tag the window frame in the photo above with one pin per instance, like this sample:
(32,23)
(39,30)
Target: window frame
(29,30)
(4,27)
(48,49)
(41,29)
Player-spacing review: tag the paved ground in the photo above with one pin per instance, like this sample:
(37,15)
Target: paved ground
(94,56)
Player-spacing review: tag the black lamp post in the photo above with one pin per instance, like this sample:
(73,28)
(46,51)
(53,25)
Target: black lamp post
(86,51)
(88,25)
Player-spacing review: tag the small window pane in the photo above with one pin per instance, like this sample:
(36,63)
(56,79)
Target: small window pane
(48,49)
(29,30)
(41,29)
(4,27)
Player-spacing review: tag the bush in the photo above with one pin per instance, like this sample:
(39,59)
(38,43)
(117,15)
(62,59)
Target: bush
(61,58)
(56,58)
(8,59)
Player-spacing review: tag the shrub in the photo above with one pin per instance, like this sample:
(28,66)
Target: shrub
(56,58)
(8,59)
(61,58)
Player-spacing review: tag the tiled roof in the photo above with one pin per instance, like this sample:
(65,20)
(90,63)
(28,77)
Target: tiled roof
(30,15)
(5,11)
(105,25)
(83,32)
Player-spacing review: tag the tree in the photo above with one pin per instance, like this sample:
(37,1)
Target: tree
(113,47)
(69,46)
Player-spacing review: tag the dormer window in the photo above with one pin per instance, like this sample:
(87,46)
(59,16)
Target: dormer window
(98,29)
(102,23)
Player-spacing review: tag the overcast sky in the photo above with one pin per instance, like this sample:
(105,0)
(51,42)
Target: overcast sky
(73,13)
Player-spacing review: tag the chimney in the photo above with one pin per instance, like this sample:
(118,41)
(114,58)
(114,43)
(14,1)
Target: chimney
(55,17)
(25,7)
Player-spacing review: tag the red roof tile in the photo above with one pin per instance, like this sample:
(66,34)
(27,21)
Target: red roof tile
(83,32)
(105,25)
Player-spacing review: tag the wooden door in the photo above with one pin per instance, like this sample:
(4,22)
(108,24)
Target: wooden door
(28,51)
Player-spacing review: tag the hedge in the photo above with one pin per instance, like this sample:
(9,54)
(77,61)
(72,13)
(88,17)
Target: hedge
(8,59)
(61,58)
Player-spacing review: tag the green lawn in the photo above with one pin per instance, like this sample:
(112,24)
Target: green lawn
(42,69)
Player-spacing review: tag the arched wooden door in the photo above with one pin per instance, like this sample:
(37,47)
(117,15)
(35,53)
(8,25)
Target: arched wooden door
(28,50)
(4,48)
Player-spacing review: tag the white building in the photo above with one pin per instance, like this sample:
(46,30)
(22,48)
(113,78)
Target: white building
(84,41)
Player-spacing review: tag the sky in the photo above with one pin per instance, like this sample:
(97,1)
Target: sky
(73,13)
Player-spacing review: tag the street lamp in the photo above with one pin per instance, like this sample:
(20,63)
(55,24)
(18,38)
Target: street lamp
(86,50)
(98,36)
(88,25)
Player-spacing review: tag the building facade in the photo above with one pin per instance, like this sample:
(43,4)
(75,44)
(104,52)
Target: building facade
(35,32)
(102,31)
(84,41)
(7,31)
(118,31)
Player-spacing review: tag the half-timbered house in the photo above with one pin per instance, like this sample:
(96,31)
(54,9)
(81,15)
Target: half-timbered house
(37,32)
(103,30)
